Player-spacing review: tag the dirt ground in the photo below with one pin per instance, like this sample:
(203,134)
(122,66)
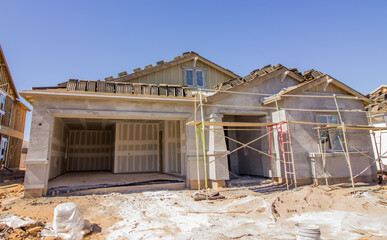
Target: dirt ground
(243,214)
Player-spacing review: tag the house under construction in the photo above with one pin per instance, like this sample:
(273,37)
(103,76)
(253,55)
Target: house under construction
(191,122)
(12,119)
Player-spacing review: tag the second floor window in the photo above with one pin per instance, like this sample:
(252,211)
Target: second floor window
(195,77)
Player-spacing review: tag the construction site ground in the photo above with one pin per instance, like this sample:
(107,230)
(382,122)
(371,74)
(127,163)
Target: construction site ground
(245,213)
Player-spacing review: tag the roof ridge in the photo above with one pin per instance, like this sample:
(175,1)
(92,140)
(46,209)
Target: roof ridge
(150,67)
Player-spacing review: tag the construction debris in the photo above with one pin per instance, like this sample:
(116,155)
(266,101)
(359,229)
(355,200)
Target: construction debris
(16,227)
(199,196)
(247,212)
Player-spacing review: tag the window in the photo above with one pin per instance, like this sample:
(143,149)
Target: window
(3,97)
(3,149)
(330,138)
(199,78)
(189,77)
(195,76)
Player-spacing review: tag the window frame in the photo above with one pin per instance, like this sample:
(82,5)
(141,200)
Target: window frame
(194,71)
(3,99)
(331,134)
(3,149)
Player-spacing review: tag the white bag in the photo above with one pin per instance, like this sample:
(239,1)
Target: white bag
(68,221)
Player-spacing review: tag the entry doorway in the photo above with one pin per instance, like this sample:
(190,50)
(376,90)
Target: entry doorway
(246,161)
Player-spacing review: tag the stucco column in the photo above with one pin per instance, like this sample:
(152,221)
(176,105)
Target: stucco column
(218,167)
(37,163)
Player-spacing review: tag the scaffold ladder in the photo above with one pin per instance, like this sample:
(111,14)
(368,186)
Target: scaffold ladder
(285,141)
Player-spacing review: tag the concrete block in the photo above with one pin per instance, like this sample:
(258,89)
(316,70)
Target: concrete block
(34,193)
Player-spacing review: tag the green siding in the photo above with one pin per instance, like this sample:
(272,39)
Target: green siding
(174,75)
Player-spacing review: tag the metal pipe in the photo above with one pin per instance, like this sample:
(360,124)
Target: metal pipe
(203,141)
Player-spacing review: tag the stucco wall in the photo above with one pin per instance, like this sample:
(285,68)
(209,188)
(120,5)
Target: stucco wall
(305,137)
(47,108)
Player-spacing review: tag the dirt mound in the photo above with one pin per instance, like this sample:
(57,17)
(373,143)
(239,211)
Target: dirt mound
(313,199)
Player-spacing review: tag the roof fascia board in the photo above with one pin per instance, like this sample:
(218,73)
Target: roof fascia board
(318,81)
(217,67)
(29,95)
(351,90)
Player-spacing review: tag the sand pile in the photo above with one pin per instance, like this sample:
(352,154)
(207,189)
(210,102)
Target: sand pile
(314,199)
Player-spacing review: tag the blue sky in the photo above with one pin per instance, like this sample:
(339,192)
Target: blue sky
(48,42)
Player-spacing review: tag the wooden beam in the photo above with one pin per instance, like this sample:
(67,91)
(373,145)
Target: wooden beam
(251,124)
(353,127)
(11,132)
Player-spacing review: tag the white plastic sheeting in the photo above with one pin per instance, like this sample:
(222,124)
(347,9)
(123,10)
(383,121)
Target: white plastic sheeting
(14,221)
(362,224)
(68,221)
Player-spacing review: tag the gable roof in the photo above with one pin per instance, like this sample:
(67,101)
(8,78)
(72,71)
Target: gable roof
(314,81)
(187,56)
(259,74)
(3,63)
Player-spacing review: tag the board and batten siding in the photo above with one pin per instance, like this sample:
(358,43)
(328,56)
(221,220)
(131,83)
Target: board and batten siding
(174,75)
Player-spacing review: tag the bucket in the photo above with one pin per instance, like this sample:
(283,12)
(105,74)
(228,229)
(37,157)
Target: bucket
(305,231)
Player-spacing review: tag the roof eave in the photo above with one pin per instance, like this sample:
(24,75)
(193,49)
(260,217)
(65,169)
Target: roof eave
(29,95)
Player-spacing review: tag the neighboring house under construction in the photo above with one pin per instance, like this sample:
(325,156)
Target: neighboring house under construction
(12,118)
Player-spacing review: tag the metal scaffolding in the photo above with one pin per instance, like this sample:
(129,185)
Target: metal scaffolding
(282,129)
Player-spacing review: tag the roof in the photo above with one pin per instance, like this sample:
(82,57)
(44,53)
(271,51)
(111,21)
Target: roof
(313,78)
(379,100)
(160,65)
(114,89)
(122,84)
(382,87)
(121,88)
(307,80)
(4,61)
(259,74)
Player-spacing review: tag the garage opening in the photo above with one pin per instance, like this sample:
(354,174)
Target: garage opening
(246,166)
(90,153)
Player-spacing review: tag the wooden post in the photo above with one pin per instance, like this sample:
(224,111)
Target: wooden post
(345,148)
(348,158)
(376,146)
